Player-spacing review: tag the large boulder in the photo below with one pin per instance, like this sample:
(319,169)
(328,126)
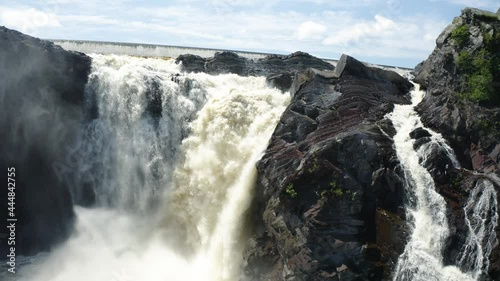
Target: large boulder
(41,98)
(329,191)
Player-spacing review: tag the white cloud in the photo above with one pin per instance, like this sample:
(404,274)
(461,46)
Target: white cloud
(364,30)
(310,30)
(27,20)
(90,20)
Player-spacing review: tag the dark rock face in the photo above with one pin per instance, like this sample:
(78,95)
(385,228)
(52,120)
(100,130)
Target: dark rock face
(41,95)
(282,81)
(279,70)
(329,193)
(472,128)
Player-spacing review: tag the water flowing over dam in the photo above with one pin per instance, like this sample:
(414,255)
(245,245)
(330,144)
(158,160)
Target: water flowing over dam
(168,159)
(143,50)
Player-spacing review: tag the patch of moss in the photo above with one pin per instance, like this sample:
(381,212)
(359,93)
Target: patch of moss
(290,190)
(333,191)
(337,192)
(461,35)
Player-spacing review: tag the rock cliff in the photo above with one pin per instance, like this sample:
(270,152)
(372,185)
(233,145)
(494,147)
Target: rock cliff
(41,97)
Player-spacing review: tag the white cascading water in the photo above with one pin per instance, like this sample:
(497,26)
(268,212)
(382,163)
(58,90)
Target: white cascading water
(422,259)
(126,147)
(481,218)
(164,184)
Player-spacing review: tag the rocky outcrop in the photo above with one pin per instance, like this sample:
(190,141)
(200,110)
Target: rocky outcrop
(462,77)
(41,99)
(278,69)
(329,191)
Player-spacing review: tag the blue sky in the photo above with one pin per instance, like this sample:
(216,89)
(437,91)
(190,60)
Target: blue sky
(392,32)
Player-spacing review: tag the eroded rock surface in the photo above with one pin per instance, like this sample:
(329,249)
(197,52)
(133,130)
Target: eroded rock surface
(329,191)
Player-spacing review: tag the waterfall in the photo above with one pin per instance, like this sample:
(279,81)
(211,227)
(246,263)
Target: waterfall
(481,218)
(168,160)
(422,258)
(139,110)
(215,179)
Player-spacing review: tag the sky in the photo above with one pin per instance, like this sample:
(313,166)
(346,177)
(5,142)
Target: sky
(389,32)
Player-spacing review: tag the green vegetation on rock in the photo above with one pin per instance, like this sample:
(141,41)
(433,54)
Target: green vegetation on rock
(337,192)
(461,35)
(333,191)
(490,125)
(479,68)
(314,168)
(290,190)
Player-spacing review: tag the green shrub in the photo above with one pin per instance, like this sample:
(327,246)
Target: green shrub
(461,35)
(479,85)
(290,190)
(333,191)
(464,62)
(337,192)
(479,70)
(481,79)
